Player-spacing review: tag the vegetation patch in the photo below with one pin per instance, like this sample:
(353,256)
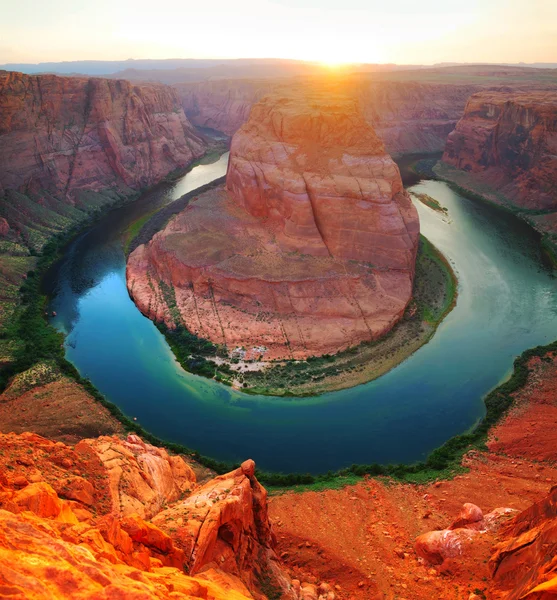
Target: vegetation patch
(429,201)
(434,295)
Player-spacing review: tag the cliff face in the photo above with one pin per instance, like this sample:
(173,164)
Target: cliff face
(69,145)
(64,134)
(413,117)
(507,141)
(407,116)
(311,248)
(74,523)
(223,104)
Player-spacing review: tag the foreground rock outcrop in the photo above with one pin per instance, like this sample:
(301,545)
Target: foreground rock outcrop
(74,523)
(524,565)
(362,538)
(310,249)
(507,141)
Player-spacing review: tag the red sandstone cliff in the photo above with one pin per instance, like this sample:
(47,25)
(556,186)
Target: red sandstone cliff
(222,104)
(407,116)
(507,142)
(61,137)
(411,116)
(311,248)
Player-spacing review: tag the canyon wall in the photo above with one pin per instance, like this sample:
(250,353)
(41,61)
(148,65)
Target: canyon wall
(407,116)
(70,144)
(309,250)
(411,116)
(64,134)
(508,142)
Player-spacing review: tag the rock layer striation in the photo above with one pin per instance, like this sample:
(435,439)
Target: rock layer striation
(310,249)
(69,145)
(64,134)
(409,116)
(507,141)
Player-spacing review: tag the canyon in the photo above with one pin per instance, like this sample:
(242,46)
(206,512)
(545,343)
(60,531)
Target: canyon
(114,515)
(311,246)
(408,116)
(309,250)
(505,149)
(70,145)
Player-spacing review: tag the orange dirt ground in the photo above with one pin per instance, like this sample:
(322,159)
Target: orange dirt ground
(361,538)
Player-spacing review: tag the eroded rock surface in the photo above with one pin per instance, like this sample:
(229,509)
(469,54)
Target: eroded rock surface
(524,565)
(64,134)
(62,534)
(142,478)
(507,141)
(69,145)
(310,249)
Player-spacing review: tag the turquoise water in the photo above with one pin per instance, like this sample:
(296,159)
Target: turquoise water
(506,303)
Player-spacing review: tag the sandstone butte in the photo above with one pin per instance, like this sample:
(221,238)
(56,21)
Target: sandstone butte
(310,248)
(408,116)
(61,137)
(506,142)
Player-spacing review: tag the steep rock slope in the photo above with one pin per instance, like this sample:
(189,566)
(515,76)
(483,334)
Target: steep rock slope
(222,104)
(67,530)
(408,116)
(411,116)
(64,138)
(310,249)
(64,134)
(508,142)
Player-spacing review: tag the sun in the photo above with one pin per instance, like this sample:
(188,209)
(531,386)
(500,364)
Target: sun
(334,63)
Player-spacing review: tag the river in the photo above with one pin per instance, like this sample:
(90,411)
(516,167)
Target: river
(506,303)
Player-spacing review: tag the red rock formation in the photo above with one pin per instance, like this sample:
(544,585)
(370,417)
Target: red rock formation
(225,524)
(507,143)
(65,134)
(524,565)
(66,541)
(222,104)
(312,248)
(410,116)
(142,478)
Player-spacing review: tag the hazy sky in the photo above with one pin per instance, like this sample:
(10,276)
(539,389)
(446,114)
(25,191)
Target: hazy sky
(402,31)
